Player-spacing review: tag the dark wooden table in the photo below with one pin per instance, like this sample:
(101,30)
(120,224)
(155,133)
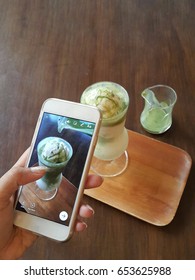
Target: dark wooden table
(56,48)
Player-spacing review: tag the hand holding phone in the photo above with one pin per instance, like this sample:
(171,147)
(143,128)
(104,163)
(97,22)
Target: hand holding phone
(63,142)
(13,240)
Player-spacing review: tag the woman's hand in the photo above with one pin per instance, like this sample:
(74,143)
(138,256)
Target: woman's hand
(14,240)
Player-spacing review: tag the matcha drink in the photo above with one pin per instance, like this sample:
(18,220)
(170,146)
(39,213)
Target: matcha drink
(156,120)
(157,114)
(54,153)
(112,100)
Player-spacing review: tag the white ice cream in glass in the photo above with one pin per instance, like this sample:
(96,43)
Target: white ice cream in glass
(54,153)
(110,153)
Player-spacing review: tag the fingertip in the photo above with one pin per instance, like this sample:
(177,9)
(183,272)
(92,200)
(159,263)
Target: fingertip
(86,211)
(80,226)
(94,181)
(39,169)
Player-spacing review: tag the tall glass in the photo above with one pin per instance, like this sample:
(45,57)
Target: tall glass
(110,156)
(54,153)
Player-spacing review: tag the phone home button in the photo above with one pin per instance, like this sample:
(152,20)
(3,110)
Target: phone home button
(63,216)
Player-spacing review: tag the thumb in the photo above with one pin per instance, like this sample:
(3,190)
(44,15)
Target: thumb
(18,176)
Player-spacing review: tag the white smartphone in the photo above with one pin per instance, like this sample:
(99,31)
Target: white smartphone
(64,142)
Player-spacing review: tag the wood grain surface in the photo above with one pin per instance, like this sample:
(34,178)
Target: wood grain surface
(153,183)
(57,48)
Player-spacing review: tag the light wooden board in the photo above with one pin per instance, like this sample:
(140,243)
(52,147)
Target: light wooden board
(152,185)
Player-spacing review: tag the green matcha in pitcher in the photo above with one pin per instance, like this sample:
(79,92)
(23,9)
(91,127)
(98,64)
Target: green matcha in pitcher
(156,117)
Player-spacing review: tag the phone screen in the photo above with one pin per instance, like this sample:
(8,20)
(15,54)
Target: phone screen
(62,145)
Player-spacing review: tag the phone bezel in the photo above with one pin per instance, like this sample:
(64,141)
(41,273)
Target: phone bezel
(40,225)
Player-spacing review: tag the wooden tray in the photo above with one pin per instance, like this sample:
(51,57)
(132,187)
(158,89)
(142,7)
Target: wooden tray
(152,185)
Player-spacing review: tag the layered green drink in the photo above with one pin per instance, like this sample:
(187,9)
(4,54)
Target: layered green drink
(112,100)
(54,153)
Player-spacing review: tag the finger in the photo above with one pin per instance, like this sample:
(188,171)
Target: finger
(86,211)
(93,181)
(18,176)
(80,226)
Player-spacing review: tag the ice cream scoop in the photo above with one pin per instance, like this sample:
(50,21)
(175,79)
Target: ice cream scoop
(109,100)
(55,151)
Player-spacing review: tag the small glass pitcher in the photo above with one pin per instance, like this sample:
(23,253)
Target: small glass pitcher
(156,117)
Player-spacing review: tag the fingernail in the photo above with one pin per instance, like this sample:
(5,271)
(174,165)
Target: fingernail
(85,225)
(90,208)
(37,169)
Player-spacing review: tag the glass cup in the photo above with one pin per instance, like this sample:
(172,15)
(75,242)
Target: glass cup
(159,100)
(110,155)
(48,185)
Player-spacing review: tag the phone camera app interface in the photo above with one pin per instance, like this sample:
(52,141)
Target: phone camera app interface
(62,146)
